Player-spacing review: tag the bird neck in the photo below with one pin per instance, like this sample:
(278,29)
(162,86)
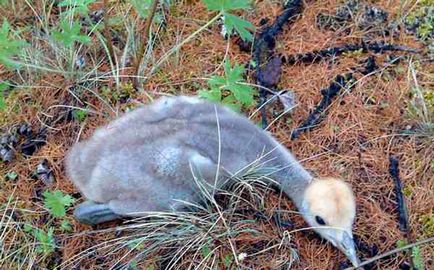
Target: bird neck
(295,182)
(293,179)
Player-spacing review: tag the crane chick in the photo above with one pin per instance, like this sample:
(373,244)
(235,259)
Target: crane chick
(146,161)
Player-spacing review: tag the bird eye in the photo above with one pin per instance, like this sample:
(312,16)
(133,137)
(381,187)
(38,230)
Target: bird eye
(319,220)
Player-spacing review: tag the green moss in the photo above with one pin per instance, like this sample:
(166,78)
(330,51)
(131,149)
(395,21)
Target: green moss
(427,222)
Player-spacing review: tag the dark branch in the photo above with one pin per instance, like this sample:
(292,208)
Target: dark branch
(314,118)
(400,201)
(264,47)
(318,55)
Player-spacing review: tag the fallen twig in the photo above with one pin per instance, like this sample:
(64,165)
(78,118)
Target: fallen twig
(400,201)
(402,208)
(318,55)
(391,252)
(264,48)
(339,83)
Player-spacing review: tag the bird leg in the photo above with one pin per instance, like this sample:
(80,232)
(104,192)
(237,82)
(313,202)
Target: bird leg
(92,213)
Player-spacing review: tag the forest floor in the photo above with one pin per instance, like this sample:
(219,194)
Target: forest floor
(388,112)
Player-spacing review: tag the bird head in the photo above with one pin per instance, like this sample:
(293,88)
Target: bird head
(329,207)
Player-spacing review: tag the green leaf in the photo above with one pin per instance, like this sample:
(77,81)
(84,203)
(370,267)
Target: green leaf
(417,257)
(243,93)
(8,47)
(77,6)
(231,102)
(206,251)
(226,5)
(65,226)
(240,25)
(46,243)
(214,95)
(227,260)
(234,74)
(12,176)
(79,115)
(70,33)
(27,228)
(3,87)
(401,243)
(56,202)
(216,81)
(231,88)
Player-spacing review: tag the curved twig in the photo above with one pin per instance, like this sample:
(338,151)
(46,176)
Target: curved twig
(391,252)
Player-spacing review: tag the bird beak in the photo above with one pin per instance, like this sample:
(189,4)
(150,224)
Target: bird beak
(347,246)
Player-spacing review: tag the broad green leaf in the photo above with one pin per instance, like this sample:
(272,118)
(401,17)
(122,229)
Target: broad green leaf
(226,5)
(243,93)
(70,33)
(56,202)
(231,88)
(240,25)
(216,81)
(214,95)
(232,103)
(235,74)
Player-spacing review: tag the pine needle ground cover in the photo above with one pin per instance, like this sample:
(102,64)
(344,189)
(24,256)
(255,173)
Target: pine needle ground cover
(67,67)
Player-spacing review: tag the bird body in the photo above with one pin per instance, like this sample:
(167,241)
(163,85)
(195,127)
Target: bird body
(143,160)
(147,159)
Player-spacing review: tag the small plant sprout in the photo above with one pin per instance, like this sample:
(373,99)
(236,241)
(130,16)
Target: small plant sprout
(79,115)
(65,226)
(230,89)
(56,202)
(45,240)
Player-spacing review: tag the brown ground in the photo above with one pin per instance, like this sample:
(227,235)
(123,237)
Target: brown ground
(362,129)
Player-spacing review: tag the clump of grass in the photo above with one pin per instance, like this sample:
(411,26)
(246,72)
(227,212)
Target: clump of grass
(17,251)
(421,104)
(210,235)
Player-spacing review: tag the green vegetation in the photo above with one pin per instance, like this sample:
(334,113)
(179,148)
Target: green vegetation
(76,58)
(3,87)
(56,202)
(77,6)
(8,47)
(45,240)
(232,22)
(421,20)
(70,33)
(230,89)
